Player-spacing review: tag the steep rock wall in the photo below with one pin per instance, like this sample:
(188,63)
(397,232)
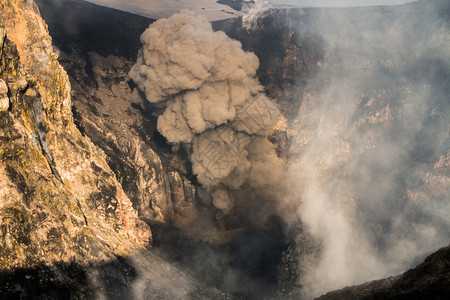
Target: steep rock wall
(60,201)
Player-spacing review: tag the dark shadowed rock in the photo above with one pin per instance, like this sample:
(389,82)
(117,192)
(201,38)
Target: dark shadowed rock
(429,280)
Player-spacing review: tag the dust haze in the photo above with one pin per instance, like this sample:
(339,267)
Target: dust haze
(370,146)
(367,167)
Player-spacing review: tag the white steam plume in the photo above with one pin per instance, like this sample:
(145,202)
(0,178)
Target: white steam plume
(255,13)
(371,146)
(213,101)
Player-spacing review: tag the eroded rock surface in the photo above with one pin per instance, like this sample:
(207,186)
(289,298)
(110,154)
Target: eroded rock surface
(429,280)
(60,201)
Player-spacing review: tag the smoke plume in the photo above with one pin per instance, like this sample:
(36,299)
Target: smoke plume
(212,101)
(369,150)
(255,13)
(370,144)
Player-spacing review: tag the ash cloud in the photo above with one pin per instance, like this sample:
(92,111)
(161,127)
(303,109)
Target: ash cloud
(369,144)
(367,161)
(212,102)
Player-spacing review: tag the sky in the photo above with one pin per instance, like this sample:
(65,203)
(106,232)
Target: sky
(341,3)
(157,9)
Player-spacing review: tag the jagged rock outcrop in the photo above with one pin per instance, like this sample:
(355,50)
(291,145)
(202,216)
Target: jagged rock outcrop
(59,200)
(429,280)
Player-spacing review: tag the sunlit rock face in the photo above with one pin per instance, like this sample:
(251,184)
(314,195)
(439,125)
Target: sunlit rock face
(4,100)
(60,203)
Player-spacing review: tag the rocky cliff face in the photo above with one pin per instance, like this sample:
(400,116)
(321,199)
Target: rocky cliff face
(76,199)
(60,201)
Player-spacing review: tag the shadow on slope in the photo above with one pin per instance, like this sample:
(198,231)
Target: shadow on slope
(82,27)
(139,276)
